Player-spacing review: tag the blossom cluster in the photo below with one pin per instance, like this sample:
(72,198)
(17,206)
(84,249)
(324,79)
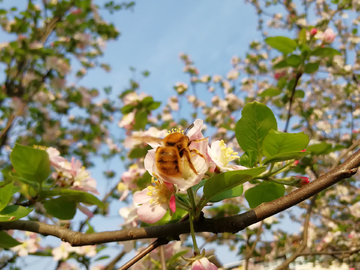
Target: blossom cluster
(159,197)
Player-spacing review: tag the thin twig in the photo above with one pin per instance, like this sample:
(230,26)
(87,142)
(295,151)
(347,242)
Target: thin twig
(298,76)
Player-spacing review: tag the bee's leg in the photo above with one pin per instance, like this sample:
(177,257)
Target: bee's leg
(188,157)
(203,139)
(197,152)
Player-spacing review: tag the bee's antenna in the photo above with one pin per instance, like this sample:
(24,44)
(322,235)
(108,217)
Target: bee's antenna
(188,128)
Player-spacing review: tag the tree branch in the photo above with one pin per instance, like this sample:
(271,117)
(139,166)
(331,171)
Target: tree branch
(228,224)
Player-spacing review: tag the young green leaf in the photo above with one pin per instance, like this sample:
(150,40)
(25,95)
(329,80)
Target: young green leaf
(277,142)
(325,52)
(311,67)
(264,192)
(285,156)
(6,193)
(319,148)
(13,212)
(253,126)
(282,44)
(72,195)
(228,180)
(248,159)
(294,60)
(231,193)
(60,208)
(6,241)
(30,163)
(270,92)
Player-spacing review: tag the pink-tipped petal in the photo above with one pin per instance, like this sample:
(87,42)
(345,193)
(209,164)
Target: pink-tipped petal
(150,214)
(172,204)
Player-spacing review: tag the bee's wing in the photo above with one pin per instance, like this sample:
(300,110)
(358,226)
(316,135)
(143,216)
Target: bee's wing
(152,141)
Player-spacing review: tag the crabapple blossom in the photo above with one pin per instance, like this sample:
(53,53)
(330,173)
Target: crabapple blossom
(188,177)
(26,247)
(181,88)
(328,36)
(222,155)
(54,156)
(155,200)
(203,264)
(313,31)
(62,252)
(129,180)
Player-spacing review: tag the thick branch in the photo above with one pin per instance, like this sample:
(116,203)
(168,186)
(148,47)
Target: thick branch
(228,224)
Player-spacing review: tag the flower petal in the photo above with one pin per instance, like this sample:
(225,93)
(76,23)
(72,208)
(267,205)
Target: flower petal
(150,213)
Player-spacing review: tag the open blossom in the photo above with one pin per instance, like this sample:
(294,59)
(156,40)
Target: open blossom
(54,156)
(222,155)
(181,87)
(27,246)
(62,252)
(74,174)
(187,177)
(129,179)
(155,200)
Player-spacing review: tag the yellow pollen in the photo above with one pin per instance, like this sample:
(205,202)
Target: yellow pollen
(40,147)
(227,154)
(158,192)
(175,130)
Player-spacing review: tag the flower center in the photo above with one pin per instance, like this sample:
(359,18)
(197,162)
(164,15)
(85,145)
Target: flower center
(227,154)
(159,193)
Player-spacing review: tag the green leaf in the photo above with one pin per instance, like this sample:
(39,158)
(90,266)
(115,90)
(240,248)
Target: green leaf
(248,159)
(319,149)
(60,208)
(141,119)
(311,67)
(30,163)
(281,64)
(228,180)
(253,126)
(199,185)
(6,193)
(3,11)
(33,184)
(127,109)
(6,241)
(13,212)
(299,94)
(231,193)
(294,60)
(277,142)
(72,195)
(270,92)
(285,156)
(325,52)
(302,36)
(282,44)
(154,105)
(264,192)
(139,152)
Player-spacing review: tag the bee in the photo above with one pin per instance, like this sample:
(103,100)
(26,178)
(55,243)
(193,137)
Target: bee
(174,151)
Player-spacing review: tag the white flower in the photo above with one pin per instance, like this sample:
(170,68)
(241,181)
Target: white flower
(222,155)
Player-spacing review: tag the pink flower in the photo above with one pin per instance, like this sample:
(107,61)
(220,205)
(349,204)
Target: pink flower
(155,201)
(187,177)
(329,36)
(313,31)
(76,175)
(54,156)
(203,264)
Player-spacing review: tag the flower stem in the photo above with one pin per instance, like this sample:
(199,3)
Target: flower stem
(191,195)
(192,232)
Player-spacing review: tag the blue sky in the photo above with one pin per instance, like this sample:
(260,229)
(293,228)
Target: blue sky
(152,36)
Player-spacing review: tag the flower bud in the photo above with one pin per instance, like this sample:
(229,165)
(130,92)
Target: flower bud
(329,36)
(313,32)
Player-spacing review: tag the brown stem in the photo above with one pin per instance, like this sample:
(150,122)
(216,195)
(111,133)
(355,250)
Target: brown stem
(154,245)
(111,265)
(253,246)
(231,224)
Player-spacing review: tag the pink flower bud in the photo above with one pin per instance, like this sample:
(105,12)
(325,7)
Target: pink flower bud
(313,32)
(303,180)
(296,162)
(329,36)
(203,264)
(279,75)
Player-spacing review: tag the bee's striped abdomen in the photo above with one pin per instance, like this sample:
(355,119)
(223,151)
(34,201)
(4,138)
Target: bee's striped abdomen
(167,160)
